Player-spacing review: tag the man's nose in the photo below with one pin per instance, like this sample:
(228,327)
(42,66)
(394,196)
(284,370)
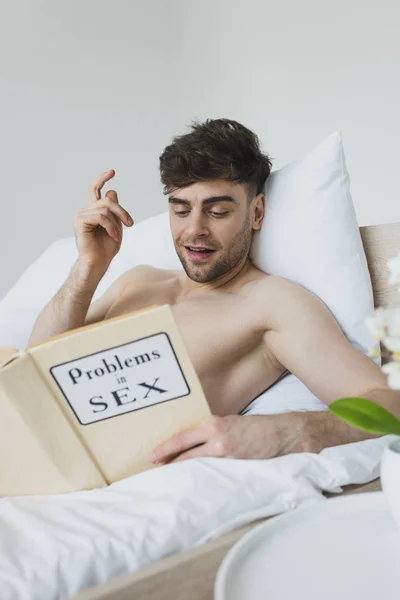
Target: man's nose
(197,225)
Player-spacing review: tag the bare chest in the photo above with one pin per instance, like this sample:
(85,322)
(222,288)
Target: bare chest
(216,328)
(224,337)
(218,332)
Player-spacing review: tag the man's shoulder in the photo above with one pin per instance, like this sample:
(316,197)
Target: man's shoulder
(277,284)
(273,285)
(282,298)
(147,274)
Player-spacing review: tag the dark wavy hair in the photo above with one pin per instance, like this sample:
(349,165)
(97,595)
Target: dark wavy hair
(215,149)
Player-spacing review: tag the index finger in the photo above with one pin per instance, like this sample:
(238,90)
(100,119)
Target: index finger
(95,188)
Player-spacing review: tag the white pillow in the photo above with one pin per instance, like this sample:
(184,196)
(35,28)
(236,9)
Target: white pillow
(310,235)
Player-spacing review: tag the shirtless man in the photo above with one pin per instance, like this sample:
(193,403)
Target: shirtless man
(243,328)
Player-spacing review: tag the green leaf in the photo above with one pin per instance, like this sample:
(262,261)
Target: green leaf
(365,414)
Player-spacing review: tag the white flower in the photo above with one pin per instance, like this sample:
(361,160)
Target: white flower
(385,322)
(377,324)
(393,321)
(393,344)
(392,369)
(394,269)
(384,326)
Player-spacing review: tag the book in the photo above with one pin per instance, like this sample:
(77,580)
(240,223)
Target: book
(83,409)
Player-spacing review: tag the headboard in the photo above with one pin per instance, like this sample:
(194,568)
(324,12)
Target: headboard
(382,242)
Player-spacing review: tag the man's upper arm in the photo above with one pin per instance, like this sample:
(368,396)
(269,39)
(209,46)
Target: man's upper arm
(100,307)
(306,339)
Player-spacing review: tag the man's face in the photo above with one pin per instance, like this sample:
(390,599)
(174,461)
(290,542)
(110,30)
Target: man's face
(212,226)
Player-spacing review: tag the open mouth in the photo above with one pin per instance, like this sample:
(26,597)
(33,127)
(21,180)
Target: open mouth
(198,253)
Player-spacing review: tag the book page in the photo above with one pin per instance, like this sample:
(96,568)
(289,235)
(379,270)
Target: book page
(41,452)
(7,355)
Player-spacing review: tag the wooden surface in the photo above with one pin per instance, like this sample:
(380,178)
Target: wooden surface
(191,574)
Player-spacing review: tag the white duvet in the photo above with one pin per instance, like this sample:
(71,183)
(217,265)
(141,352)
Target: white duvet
(54,546)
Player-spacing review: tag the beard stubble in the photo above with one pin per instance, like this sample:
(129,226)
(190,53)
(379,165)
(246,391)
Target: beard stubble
(238,249)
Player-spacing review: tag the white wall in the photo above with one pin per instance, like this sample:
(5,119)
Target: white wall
(90,85)
(85,85)
(296,71)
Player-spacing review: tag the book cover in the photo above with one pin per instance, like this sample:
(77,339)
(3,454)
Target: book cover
(89,405)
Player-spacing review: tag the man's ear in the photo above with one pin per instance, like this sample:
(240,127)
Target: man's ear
(257,211)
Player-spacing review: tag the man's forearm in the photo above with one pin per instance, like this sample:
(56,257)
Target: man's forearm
(323,429)
(68,308)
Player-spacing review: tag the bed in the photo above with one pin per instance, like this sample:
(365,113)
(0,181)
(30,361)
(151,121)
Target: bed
(192,573)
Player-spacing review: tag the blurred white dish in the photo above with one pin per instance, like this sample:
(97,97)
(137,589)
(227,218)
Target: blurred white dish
(390,478)
(347,548)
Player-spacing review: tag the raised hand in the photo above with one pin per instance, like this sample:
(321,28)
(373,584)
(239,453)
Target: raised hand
(98,227)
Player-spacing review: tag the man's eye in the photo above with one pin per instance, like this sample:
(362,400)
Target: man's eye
(183,213)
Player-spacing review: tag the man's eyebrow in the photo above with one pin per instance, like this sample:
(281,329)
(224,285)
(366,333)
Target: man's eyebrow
(206,201)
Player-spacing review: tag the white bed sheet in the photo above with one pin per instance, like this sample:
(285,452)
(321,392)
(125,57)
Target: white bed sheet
(54,546)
